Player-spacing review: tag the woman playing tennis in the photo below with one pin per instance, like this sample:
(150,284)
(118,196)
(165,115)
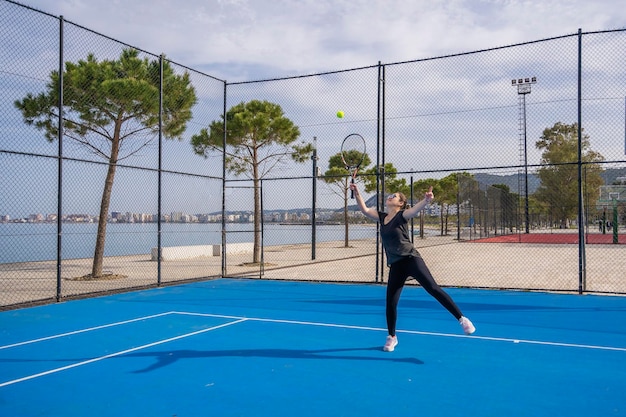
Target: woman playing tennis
(404,260)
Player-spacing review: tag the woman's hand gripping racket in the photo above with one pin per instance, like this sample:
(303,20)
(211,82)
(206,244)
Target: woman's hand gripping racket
(352,155)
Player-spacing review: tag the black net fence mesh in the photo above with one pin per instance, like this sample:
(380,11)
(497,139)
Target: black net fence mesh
(123,198)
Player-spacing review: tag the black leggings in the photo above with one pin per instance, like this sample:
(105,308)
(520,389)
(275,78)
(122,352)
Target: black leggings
(398,274)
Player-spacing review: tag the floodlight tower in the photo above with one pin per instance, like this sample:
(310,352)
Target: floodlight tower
(523,88)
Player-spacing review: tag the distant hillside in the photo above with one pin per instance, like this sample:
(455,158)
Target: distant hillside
(609,176)
(370,202)
(510,181)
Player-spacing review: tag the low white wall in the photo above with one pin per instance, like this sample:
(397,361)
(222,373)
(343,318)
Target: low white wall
(234,248)
(200,251)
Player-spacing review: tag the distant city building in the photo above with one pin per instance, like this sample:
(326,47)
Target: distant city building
(35,218)
(282,216)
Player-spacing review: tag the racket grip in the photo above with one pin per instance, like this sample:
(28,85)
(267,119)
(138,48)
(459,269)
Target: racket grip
(351,190)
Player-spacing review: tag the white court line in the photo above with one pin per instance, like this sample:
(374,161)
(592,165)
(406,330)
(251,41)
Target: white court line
(123,352)
(306,323)
(104,326)
(344,326)
(238,319)
(531,342)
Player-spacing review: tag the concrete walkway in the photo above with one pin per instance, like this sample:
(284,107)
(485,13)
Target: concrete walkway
(453,263)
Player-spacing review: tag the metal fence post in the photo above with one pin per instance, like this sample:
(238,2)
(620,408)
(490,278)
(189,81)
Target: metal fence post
(582,268)
(314,157)
(60,165)
(160,172)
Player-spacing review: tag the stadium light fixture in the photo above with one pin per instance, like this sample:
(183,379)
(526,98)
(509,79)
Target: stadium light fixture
(524,86)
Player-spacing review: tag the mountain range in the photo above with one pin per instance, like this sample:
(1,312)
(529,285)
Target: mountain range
(609,176)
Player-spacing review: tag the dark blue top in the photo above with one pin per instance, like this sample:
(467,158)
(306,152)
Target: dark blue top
(396,239)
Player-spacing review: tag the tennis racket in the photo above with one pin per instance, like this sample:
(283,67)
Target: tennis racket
(352,155)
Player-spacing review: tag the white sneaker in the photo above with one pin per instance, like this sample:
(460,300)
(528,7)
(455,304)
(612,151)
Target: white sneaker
(390,344)
(467,325)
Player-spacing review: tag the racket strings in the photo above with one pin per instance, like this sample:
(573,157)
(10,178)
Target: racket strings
(351,161)
(353,151)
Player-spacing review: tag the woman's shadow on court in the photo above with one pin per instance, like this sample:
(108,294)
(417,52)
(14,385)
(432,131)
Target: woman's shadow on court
(167,358)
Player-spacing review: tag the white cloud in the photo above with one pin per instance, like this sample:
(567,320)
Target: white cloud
(441,114)
(285,37)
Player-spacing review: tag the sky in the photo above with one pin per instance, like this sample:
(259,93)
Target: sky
(244,40)
(237,40)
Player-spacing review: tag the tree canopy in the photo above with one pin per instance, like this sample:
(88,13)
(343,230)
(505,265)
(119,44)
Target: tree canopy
(559,171)
(259,138)
(101,96)
(338,177)
(111,108)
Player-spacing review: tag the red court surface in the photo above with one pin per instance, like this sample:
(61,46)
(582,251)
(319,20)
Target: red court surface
(567,238)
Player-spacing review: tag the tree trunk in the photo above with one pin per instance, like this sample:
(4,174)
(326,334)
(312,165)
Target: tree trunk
(441,223)
(98,257)
(256,254)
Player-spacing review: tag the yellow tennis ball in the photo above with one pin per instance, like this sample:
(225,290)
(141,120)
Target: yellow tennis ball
(340,114)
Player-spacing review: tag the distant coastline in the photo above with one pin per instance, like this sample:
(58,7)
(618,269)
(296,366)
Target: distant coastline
(30,242)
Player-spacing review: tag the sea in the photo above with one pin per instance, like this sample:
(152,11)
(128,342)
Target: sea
(30,242)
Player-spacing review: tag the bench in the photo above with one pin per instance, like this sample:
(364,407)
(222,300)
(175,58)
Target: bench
(171,253)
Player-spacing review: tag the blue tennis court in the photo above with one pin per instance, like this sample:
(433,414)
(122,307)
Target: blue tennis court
(276,348)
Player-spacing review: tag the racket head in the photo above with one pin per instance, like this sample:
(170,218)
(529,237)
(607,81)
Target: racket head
(353,151)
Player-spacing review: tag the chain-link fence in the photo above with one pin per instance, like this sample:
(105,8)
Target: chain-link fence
(140,180)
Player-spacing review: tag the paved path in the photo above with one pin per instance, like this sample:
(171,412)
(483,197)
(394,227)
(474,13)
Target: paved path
(467,264)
